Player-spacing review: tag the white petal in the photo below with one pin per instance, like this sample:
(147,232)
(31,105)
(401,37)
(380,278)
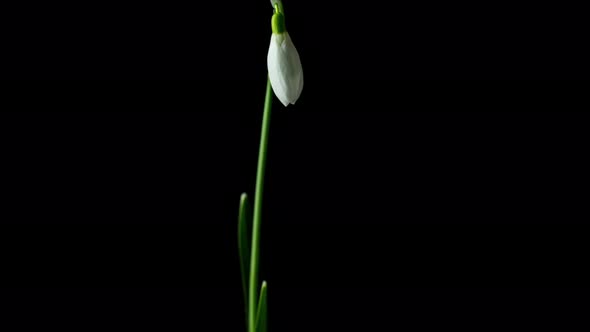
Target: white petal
(296,71)
(300,87)
(284,69)
(274,62)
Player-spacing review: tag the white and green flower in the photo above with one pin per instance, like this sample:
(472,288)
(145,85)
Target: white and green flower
(284,66)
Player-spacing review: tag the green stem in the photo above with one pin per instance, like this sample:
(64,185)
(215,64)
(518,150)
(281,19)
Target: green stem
(254,263)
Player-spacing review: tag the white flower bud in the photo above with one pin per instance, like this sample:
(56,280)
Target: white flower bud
(284,66)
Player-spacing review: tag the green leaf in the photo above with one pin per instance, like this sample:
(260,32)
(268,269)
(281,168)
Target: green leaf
(262,316)
(244,225)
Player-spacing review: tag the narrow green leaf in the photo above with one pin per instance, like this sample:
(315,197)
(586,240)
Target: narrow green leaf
(262,316)
(244,225)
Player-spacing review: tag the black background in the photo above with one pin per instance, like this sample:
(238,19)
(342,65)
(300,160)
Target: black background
(228,41)
(390,205)
(125,217)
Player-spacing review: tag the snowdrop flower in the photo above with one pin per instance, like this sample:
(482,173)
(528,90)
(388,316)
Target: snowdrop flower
(284,65)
